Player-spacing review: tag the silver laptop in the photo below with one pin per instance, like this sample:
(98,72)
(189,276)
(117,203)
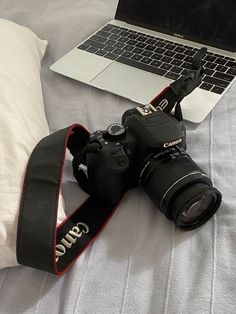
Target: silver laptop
(150,43)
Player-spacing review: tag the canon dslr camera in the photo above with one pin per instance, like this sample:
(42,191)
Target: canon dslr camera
(148,149)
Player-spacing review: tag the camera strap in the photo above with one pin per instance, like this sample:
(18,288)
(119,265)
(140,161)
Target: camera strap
(41,243)
(169,99)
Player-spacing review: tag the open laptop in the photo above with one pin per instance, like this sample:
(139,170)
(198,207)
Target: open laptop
(151,43)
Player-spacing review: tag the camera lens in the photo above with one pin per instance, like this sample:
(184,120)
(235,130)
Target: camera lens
(197,209)
(180,188)
(195,205)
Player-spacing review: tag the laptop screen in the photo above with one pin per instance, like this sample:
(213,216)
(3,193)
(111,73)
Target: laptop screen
(212,22)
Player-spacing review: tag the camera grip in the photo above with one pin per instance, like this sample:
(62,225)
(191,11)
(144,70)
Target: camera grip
(106,170)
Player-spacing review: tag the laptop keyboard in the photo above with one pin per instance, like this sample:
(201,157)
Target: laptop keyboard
(159,56)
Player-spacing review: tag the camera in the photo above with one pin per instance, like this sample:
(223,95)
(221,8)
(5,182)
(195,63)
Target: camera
(148,149)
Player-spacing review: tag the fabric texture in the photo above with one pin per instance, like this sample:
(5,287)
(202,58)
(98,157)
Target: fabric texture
(140,263)
(22,124)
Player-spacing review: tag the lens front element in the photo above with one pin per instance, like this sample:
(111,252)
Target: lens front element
(197,209)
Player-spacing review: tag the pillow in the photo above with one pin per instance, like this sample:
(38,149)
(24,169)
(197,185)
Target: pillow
(22,124)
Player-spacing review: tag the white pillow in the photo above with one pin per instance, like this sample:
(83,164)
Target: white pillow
(22,124)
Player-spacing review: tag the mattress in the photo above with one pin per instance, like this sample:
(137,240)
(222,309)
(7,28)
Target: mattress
(140,263)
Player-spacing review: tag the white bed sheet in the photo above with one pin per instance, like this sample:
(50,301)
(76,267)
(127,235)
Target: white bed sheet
(140,263)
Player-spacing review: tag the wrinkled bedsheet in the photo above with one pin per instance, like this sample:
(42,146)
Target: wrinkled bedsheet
(140,263)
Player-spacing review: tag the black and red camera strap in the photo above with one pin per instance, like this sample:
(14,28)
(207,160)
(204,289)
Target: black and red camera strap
(43,244)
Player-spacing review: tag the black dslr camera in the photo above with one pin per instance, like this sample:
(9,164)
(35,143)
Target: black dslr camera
(148,149)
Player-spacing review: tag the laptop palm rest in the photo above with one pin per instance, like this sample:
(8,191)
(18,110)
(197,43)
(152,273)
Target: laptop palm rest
(137,85)
(141,87)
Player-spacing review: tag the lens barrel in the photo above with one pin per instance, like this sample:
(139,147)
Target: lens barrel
(180,188)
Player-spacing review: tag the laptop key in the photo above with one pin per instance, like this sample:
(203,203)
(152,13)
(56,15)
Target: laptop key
(169,53)
(108,27)
(220,61)
(176,62)
(124,33)
(160,43)
(122,40)
(210,58)
(127,54)
(208,71)
(119,45)
(138,50)
(151,41)
(98,38)
(109,48)
(166,59)
(103,33)
(132,42)
(115,31)
(215,81)
(169,46)
(92,49)
(147,53)
(142,38)
(176,69)
(128,48)
(217,90)
(185,72)
(146,60)
(206,86)
(179,49)
(231,64)
(110,42)
(223,76)
(95,44)
(173,76)
(188,59)
(141,45)
(136,57)
(160,50)
(83,46)
(150,47)
(111,56)
(231,71)
(156,56)
(133,36)
(101,52)
(190,52)
(118,51)
(179,56)
(156,63)
(141,66)
(114,37)
(221,68)
(186,65)
(166,66)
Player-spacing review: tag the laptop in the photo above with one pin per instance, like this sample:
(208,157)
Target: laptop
(150,43)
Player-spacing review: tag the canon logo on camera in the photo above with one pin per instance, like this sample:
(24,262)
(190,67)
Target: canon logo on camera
(172,143)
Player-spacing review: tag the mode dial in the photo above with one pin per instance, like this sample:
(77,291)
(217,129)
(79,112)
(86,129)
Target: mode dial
(115,131)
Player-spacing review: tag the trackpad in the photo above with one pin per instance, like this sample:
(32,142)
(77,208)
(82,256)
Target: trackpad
(137,85)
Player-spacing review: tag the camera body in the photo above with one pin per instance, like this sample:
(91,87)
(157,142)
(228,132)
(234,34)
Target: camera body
(125,149)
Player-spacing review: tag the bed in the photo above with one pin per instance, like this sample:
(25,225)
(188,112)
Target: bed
(140,263)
